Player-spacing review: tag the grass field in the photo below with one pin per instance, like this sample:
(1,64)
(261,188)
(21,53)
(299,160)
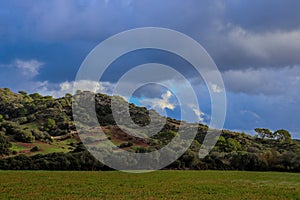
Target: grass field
(155,185)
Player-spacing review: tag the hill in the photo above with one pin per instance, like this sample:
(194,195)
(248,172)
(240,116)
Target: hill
(38,132)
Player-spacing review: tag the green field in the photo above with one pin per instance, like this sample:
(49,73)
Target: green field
(154,185)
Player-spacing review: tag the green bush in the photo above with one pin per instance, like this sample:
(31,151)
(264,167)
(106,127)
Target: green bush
(50,123)
(9,127)
(21,120)
(228,145)
(23,136)
(4,145)
(35,149)
(233,145)
(41,136)
(124,145)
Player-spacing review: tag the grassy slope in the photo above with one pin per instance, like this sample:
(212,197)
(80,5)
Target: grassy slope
(154,185)
(45,148)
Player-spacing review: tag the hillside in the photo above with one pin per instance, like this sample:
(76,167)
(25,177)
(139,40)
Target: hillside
(37,132)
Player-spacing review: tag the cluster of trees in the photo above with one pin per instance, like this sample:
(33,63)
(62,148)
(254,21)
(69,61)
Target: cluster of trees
(80,159)
(277,135)
(54,161)
(46,113)
(236,151)
(23,134)
(4,145)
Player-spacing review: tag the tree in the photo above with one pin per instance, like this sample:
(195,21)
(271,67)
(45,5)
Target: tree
(50,124)
(282,135)
(35,149)
(23,93)
(23,136)
(35,96)
(264,132)
(4,145)
(228,145)
(233,145)
(247,161)
(1,118)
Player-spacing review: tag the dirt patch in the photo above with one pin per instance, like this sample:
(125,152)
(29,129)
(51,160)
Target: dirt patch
(118,136)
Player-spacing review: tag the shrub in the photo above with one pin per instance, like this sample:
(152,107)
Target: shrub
(35,149)
(41,136)
(124,145)
(141,150)
(4,145)
(23,135)
(50,123)
(9,127)
(21,120)
(228,145)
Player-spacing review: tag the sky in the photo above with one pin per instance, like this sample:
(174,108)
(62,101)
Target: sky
(255,44)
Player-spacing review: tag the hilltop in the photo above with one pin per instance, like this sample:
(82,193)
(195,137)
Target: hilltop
(38,132)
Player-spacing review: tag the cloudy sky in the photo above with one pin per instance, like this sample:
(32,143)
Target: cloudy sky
(255,44)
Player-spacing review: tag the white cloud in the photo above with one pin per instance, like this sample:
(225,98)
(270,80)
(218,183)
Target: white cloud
(23,73)
(167,95)
(84,85)
(159,103)
(215,88)
(253,115)
(29,68)
(198,113)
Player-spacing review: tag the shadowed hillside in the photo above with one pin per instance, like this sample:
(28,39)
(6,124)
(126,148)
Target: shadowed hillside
(37,132)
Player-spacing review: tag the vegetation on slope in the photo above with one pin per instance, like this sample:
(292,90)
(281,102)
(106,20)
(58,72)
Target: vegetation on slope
(37,132)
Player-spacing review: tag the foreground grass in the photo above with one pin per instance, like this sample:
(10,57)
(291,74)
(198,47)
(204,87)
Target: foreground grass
(154,185)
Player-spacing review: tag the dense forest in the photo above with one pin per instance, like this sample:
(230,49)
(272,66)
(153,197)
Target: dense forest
(38,133)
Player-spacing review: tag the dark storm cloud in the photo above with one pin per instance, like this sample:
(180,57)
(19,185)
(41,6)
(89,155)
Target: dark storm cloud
(275,82)
(264,16)
(237,34)
(256,45)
